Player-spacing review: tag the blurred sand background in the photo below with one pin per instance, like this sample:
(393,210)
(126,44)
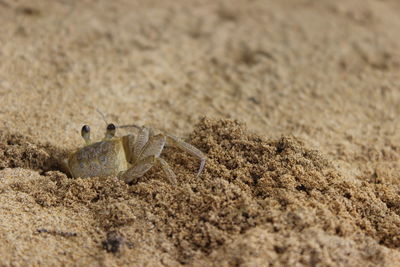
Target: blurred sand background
(325,72)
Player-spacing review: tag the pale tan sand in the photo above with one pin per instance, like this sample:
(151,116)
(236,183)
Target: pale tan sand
(312,179)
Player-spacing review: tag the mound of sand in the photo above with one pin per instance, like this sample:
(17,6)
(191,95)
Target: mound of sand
(259,201)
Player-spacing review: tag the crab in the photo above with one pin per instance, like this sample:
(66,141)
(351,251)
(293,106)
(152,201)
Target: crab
(128,157)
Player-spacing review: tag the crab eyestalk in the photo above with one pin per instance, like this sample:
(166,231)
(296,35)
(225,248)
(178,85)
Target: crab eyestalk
(110,131)
(85,132)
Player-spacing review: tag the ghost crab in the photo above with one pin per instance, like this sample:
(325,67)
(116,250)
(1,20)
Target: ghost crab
(127,157)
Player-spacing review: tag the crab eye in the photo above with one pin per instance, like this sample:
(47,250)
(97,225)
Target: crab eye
(85,129)
(110,127)
(110,131)
(85,132)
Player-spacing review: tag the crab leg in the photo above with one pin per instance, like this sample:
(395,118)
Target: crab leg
(153,147)
(144,165)
(188,148)
(141,140)
(139,169)
(146,153)
(167,170)
(147,149)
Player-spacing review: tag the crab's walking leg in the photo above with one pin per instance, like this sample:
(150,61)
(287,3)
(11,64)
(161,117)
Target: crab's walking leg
(147,150)
(175,141)
(167,170)
(153,147)
(144,165)
(141,140)
(139,169)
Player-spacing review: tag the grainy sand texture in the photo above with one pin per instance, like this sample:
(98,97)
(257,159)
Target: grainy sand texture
(294,102)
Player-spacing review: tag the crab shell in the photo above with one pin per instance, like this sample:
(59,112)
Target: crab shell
(104,158)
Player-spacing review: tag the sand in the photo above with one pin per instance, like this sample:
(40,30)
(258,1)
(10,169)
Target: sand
(294,102)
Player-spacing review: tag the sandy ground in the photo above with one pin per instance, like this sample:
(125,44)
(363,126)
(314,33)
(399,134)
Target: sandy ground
(294,102)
